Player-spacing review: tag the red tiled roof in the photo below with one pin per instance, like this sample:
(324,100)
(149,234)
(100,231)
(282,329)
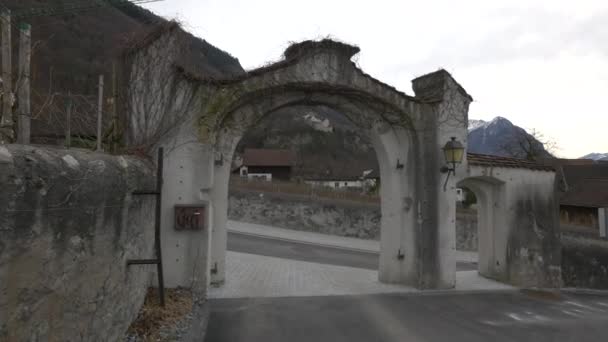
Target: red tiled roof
(496,161)
(268,157)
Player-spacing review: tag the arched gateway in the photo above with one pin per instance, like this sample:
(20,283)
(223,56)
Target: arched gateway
(200,120)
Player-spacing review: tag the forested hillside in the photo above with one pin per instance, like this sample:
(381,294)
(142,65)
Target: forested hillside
(71,50)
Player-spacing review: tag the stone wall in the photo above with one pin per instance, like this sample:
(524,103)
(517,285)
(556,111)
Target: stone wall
(328,216)
(466,229)
(584,261)
(68,223)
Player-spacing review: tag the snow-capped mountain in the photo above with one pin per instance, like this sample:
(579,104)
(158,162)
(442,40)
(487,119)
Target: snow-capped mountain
(596,156)
(473,124)
(502,138)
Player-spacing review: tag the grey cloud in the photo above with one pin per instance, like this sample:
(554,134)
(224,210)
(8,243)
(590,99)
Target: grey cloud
(556,32)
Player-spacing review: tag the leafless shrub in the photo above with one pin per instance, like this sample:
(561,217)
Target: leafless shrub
(157,98)
(530,145)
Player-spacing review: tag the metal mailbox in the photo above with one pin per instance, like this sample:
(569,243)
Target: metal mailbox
(190,217)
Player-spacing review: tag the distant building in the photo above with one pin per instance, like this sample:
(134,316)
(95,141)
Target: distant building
(336,182)
(267,164)
(358,181)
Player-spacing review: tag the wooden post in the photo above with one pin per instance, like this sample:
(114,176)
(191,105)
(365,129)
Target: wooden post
(68,132)
(7,133)
(25,56)
(100,114)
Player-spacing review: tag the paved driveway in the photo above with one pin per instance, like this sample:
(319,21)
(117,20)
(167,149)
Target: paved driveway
(282,268)
(245,243)
(485,317)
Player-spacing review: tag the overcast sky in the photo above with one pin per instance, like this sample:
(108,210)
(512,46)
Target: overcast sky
(541,64)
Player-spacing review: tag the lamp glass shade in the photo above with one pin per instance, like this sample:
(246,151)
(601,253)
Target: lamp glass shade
(453,151)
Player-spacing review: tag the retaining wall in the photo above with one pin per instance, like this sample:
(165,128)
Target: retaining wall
(584,261)
(68,223)
(328,216)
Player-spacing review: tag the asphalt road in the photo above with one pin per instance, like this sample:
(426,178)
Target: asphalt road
(306,252)
(495,317)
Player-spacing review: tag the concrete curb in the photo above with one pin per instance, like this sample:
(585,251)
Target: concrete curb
(584,291)
(419,293)
(200,321)
(353,249)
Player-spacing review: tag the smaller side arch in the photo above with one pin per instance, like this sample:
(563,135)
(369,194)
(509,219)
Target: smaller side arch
(520,203)
(490,218)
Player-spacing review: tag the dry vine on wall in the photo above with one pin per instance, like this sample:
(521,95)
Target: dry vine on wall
(158,99)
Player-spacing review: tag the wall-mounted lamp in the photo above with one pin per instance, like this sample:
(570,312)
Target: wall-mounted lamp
(453,152)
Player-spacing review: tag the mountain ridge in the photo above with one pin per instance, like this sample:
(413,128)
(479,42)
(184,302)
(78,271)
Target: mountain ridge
(501,137)
(345,151)
(596,156)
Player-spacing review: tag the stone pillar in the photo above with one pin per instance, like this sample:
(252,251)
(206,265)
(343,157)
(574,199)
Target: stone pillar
(398,247)
(446,117)
(188,174)
(219,231)
(223,152)
(603,222)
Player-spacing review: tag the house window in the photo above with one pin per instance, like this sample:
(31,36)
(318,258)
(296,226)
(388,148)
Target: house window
(337,184)
(345,184)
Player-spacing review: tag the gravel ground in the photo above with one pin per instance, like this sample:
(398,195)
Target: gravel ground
(180,320)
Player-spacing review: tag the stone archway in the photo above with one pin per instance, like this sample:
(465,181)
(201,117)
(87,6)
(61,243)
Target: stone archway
(199,120)
(518,225)
(407,132)
(385,140)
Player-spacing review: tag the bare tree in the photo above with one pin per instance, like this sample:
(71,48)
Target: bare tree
(529,145)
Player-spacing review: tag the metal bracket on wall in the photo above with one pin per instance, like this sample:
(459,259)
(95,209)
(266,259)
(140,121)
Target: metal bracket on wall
(159,259)
(399,165)
(219,159)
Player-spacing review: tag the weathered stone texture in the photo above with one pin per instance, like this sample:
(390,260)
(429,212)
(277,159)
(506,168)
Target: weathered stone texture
(68,223)
(533,248)
(584,261)
(302,213)
(466,230)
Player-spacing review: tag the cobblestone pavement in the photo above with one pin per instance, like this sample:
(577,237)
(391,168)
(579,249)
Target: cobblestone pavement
(249,275)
